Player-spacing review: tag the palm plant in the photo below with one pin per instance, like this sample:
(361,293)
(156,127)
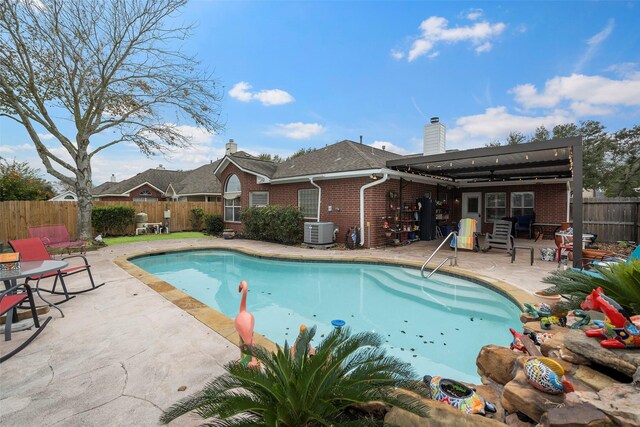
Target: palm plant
(621,282)
(295,389)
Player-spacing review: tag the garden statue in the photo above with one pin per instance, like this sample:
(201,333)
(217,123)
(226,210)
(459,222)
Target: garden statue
(244,323)
(547,315)
(457,395)
(547,375)
(583,316)
(620,329)
(524,343)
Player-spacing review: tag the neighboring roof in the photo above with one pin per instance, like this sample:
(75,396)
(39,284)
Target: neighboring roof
(102,188)
(158,178)
(199,181)
(343,156)
(535,160)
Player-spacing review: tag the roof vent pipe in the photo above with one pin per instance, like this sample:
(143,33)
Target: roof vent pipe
(360,139)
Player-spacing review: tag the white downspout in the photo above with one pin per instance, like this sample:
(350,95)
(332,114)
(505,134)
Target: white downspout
(364,187)
(319,196)
(568,200)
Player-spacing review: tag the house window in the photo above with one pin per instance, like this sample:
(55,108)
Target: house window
(232,204)
(522,203)
(258,199)
(495,206)
(308,203)
(145,199)
(145,193)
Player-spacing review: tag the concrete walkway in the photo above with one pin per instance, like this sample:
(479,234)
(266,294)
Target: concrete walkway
(121,352)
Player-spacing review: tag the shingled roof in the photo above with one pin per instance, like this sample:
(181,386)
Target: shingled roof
(199,181)
(254,164)
(340,157)
(159,178)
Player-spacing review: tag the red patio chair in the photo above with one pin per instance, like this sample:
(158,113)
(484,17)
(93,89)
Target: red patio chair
(33,249)
(56,236)
(9,299)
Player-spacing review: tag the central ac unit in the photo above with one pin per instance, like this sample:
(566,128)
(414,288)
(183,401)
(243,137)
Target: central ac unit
(318,233)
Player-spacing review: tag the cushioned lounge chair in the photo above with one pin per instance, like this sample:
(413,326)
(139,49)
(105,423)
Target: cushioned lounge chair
(501,237)
(33,249)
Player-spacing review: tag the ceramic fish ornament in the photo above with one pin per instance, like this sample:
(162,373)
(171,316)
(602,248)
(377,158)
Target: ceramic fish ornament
(547,375)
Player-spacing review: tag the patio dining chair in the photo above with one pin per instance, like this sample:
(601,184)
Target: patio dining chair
(33,249)
(9,300)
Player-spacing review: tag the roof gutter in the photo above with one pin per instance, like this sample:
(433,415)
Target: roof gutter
(364,187)
(319,196)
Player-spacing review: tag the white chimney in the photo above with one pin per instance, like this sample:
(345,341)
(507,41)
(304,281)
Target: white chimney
(160,167)
(113,177)
(231,147)
(435,137)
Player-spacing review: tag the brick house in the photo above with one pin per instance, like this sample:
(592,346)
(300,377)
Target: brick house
(352,184)
(159,184)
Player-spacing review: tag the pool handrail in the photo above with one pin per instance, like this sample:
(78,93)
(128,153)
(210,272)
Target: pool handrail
(453,260)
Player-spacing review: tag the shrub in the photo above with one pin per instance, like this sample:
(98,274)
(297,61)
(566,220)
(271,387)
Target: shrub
(196,217)
(620,282)
(112,220)
(213,224)
(281,224)
(294,389)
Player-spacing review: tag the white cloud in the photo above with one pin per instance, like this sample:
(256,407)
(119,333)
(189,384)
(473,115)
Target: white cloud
(396,54)
(386,145)
(21,148)
(496,123)
(484,47)
(474,14)
(625,69)
(435,29)
(242,92)
(298,130)
(594,43)
(46,136)
(587,109)
(593,90)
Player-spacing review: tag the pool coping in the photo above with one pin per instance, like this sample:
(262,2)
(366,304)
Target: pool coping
(224,325)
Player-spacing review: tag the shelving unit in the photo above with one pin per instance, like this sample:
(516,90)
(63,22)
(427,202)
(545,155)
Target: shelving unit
(401,223)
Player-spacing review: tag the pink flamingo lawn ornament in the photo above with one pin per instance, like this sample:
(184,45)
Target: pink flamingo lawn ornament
(244,323)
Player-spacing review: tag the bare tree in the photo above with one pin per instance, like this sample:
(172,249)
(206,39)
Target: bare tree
(111,70)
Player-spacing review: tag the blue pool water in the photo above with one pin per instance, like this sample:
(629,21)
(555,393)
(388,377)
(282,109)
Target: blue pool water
(437,325)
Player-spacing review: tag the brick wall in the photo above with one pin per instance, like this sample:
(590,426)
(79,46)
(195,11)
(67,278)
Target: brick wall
(343,195)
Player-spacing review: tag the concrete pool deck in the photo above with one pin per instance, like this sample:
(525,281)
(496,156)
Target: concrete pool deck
(121,352)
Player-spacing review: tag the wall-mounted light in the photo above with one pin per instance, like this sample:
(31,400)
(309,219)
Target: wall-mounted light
(497,160)
(526,156)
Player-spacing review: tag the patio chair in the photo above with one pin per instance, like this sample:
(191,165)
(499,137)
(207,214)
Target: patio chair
(33,249)
(9,300)
(501,237)
(523,223)
(467,238)
(56,236)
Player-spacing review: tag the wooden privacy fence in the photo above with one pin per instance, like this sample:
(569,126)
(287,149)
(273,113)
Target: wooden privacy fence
(612,219)
(17,216)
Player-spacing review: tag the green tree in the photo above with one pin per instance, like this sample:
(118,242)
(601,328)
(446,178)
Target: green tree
(295,390)
(540,134)
(623,175)
(300,152)
(19,181)
(106,67)
(271,158)
(515,138)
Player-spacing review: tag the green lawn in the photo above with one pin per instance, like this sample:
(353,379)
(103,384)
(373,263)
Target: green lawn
(110,241)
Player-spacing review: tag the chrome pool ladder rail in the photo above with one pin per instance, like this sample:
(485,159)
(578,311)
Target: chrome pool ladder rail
(453,260)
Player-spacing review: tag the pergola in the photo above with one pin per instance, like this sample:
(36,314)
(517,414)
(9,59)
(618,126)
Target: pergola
(535,162)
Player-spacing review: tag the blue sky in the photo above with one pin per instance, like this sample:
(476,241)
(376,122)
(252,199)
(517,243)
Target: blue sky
(308,74)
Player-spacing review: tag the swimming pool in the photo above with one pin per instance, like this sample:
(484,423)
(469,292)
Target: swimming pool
(436,325)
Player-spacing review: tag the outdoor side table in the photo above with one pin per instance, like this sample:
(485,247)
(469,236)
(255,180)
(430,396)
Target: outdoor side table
(33,269)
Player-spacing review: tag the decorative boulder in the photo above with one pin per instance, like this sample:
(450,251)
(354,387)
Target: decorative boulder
(497,363)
